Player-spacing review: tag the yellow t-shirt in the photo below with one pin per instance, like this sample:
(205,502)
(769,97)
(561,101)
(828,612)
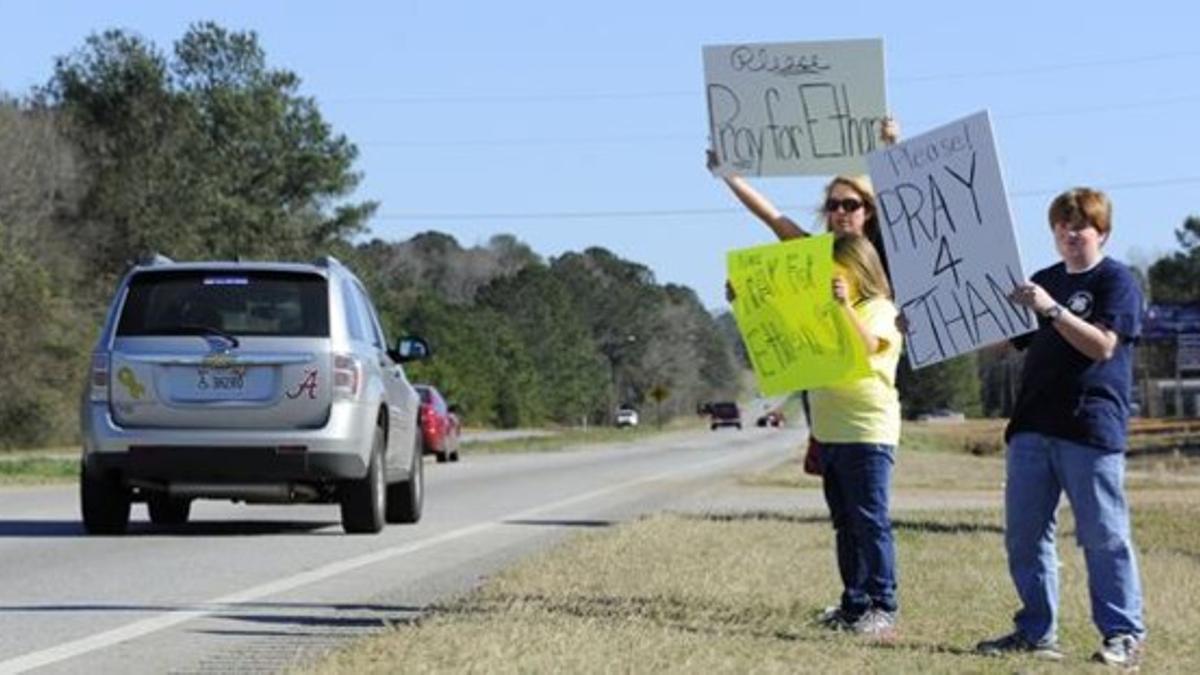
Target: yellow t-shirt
(866,410)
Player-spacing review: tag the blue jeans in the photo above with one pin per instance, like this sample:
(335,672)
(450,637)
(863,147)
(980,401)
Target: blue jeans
(1039,469)
(858,483)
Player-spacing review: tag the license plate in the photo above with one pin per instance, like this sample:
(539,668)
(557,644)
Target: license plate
(221,379)
(234,383)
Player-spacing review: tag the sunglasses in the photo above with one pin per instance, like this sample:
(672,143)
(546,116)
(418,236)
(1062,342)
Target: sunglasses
(847,205)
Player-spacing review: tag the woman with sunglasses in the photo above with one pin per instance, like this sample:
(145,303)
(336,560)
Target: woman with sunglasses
(848,208)
(859,422)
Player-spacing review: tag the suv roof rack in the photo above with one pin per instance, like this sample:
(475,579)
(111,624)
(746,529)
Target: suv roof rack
(327,261)
(153,258)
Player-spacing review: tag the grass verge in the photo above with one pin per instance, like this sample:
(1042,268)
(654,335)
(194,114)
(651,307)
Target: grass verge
(38,467)
(571,438)
(738,592)
(733,593)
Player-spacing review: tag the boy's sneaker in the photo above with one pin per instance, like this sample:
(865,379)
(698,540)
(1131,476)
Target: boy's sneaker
(1015,643)
(834,618)
(1124,651)
(876,623)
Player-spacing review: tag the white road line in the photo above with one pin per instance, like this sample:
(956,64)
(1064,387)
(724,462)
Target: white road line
(167,620)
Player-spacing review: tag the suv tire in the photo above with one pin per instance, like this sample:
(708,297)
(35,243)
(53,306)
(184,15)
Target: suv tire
(406,499)
(167,510)
(104,502)
(363,499)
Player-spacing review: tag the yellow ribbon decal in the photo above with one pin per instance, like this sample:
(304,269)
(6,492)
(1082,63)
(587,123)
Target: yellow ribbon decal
(126,377)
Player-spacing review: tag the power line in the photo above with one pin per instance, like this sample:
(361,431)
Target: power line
(675,213)
(692,138)
(648,138)
(1049,68)
(901,79)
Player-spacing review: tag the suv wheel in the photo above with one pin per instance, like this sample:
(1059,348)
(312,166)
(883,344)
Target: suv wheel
(363,499)
(166,510)
(104,502)
(406,499)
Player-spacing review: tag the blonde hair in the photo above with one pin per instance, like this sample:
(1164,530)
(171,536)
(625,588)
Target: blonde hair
(861,184)
(857,254)
(1085,205)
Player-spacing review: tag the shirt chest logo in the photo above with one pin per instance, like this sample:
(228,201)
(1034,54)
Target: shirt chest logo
(1080,303)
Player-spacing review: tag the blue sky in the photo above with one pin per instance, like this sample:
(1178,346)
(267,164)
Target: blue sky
(578,124)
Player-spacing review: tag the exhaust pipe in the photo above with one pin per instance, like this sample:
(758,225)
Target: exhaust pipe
(270,493)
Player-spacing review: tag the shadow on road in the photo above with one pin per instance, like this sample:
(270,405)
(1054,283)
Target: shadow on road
(552,522)
(73,528)
(232,611)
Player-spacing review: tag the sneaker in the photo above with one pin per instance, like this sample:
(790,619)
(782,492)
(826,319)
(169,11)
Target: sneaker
(876,623)
(1124,651)
(834,618)
(1015,643)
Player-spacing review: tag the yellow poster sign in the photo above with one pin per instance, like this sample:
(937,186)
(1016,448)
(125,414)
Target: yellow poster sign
(797,335)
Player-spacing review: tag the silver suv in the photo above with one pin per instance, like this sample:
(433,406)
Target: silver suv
(254,382)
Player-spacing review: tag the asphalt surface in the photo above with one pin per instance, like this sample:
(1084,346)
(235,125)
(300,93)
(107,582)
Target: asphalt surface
(257,588)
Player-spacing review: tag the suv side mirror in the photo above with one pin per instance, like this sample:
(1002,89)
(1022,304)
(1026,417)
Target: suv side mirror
(411,348)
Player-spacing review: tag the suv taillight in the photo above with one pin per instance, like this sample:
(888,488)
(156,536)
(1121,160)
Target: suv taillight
(99,376)
(347,376)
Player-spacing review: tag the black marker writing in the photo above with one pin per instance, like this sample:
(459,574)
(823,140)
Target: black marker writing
(906,203)
(957,319)
(760,59)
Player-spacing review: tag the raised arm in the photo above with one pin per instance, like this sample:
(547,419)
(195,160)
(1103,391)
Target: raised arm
(783,227)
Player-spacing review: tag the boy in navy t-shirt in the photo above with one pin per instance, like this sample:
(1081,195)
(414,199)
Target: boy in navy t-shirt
(1067,434)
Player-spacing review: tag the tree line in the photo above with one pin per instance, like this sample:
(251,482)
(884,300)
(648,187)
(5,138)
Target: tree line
(206,152)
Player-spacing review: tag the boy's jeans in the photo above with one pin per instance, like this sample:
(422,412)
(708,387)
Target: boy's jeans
(1039,469)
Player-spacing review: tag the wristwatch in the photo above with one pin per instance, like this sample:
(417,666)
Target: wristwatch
(1053,313)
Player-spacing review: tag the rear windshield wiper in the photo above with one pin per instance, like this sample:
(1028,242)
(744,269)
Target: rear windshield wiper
(193,329)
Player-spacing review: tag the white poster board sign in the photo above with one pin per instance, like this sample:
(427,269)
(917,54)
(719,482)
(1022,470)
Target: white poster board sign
(948,236)
(794,108)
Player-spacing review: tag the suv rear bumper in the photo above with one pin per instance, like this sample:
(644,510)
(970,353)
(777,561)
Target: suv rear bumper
(225,464)
(338,450)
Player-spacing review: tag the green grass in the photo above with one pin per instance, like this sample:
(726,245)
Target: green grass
(37,467)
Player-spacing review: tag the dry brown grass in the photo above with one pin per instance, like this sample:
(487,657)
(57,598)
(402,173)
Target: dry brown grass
(737,592)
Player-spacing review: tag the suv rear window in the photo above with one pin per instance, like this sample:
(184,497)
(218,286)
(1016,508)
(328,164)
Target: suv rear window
(239,302)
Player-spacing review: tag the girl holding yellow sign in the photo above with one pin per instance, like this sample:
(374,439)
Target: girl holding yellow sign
(858,423)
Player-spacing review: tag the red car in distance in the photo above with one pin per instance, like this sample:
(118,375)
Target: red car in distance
(440,428)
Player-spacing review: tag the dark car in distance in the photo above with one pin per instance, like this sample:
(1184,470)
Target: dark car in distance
(440,426)
(724,414)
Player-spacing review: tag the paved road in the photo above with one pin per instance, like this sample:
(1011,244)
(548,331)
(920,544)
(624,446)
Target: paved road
(254,588)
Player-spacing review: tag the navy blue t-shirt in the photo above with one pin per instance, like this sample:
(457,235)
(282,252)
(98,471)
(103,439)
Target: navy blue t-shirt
(1064,393)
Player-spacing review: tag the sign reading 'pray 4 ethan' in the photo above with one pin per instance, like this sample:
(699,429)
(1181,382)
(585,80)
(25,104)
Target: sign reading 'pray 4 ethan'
(794,108)
(949,240)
